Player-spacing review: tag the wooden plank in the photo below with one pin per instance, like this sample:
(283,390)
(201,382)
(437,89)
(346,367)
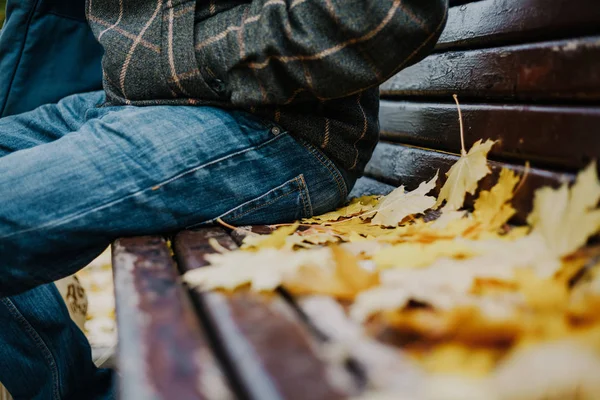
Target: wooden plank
(561,70)
(560,137)
(367,187)
(272,355)
(163,353)
(405,165)
(501,22)
(373,364)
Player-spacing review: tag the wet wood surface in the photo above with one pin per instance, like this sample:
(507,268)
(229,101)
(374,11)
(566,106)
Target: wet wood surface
(366,186)
(269,351)
(548,71)
(490,23)
(566,137)
(406,165)
(163,353)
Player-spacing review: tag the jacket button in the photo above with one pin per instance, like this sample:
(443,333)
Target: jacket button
(275,130)
(219,86)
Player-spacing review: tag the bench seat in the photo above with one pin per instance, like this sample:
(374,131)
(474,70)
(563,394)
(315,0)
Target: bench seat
(527,74)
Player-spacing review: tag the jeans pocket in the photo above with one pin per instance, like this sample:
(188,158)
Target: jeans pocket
(341,179)
(285,203)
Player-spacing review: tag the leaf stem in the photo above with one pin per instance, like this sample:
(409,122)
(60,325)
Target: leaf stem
(225,224)
(463,151)
(523,178)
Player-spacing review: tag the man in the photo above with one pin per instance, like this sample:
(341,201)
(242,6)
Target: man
(253,112)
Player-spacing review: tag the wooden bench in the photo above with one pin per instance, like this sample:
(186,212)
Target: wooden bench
(527,73)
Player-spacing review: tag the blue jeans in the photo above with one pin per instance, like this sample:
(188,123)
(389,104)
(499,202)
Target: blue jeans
(76,175)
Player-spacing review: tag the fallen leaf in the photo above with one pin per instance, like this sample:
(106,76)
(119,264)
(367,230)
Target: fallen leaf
(356,207)
(349,270)
(492,208)
(464,175)
(396,206)
(309,239)
(460,360)
(415,255)
(567,217)
(555,371)
(276,240)
(344,281)
(263,270)
(447,218)
(350,228)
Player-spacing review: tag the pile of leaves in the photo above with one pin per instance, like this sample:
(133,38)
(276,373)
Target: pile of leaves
(488,310)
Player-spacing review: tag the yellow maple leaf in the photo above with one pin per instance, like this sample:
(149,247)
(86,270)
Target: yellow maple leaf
(345,281)
(464,175)
(396,206)
(492,208)
(264,270)
(415,255)
(356,207)
(458,359)
(275,240)
(567,217)
(352,227)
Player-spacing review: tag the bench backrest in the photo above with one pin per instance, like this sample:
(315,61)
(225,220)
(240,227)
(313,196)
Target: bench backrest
(527,73)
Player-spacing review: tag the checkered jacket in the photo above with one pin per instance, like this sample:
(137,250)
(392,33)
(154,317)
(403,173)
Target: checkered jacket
(311,66)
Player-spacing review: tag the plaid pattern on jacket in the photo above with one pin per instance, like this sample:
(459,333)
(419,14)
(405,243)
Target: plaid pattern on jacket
(311,66)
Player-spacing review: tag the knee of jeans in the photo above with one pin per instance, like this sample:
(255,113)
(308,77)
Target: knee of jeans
(28,263)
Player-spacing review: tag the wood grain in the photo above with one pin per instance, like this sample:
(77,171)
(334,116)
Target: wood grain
(549,71)
(163,354)
(271,354)
(500,22)
(564,137)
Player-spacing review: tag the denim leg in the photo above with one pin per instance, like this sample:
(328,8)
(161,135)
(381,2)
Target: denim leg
(130,171)
(43,354)
(150,170)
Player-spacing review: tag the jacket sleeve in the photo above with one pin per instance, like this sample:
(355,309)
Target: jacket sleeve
(289,51)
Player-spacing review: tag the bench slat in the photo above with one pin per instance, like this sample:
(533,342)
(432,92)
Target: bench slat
(499,22)
(366,186)
(409,166)
(258,334)
(563,137)
(162,351)
(566,70)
